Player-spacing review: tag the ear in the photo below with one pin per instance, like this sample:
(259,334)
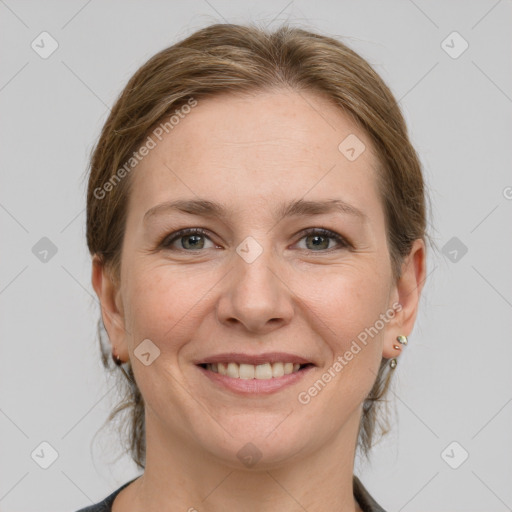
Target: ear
(109,295)
(406,292)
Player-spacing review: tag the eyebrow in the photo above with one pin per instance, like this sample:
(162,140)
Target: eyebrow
(300,207)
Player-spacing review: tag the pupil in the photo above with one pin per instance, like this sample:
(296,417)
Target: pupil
(195,242)
(318,240)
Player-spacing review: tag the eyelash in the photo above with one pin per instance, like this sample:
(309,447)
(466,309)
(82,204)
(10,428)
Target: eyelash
(169,239)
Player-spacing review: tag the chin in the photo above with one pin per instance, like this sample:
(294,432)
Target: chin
(253,448)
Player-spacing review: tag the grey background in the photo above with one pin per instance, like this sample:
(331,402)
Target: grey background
(453,381)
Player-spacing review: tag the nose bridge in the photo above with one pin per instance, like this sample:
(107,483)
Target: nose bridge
(253,265)
(256,295)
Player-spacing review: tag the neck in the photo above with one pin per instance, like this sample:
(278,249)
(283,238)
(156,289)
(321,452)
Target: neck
(179,477)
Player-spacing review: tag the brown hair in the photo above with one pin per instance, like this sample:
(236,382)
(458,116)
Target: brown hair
(227,58)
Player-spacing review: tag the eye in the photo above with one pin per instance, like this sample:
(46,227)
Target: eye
(191,239)
(318,239)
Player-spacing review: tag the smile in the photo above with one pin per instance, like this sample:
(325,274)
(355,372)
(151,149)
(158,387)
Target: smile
(253,380)
(263,371)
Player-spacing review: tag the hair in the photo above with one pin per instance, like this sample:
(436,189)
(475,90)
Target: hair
(228,58)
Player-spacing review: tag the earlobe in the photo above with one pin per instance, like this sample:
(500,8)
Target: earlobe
(111,308)
(408,290)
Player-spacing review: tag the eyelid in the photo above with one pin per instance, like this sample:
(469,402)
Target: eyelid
(176,235)
(342,242)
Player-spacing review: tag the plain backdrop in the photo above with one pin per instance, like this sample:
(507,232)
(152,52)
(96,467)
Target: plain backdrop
(450,448)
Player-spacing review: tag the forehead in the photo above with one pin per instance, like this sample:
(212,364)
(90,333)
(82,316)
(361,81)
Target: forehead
(269,120)
(248,149)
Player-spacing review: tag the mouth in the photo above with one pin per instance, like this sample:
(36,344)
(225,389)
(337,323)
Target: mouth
(265,371)
(258,374)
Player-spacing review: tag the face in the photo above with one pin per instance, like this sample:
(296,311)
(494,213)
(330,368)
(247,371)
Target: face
(285,261)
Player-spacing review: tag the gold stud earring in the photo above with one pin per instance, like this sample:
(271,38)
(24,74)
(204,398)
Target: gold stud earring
(116,359)
(402,339)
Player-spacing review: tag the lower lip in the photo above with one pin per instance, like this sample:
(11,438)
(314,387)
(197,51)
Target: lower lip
(256,386)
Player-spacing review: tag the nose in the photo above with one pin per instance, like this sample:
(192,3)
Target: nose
(256,296)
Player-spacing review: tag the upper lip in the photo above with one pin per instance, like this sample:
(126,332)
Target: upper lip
(254,359)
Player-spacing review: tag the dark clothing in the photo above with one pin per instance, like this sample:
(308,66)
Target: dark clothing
(362,496)
(106,504)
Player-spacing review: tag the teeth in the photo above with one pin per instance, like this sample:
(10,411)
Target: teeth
(221,367)
(249,371)
(277,370)
(246,371)
(233,371)
(263,371)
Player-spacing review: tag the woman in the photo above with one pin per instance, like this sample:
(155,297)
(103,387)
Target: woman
(256,218)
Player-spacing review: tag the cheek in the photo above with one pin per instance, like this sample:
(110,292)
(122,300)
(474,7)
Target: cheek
(347,300)
(348,307)
(167,304)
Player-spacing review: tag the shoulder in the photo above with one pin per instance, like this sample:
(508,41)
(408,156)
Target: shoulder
(364,498)
(106,504)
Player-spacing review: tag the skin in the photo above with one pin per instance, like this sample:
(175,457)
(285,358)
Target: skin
(252,153)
